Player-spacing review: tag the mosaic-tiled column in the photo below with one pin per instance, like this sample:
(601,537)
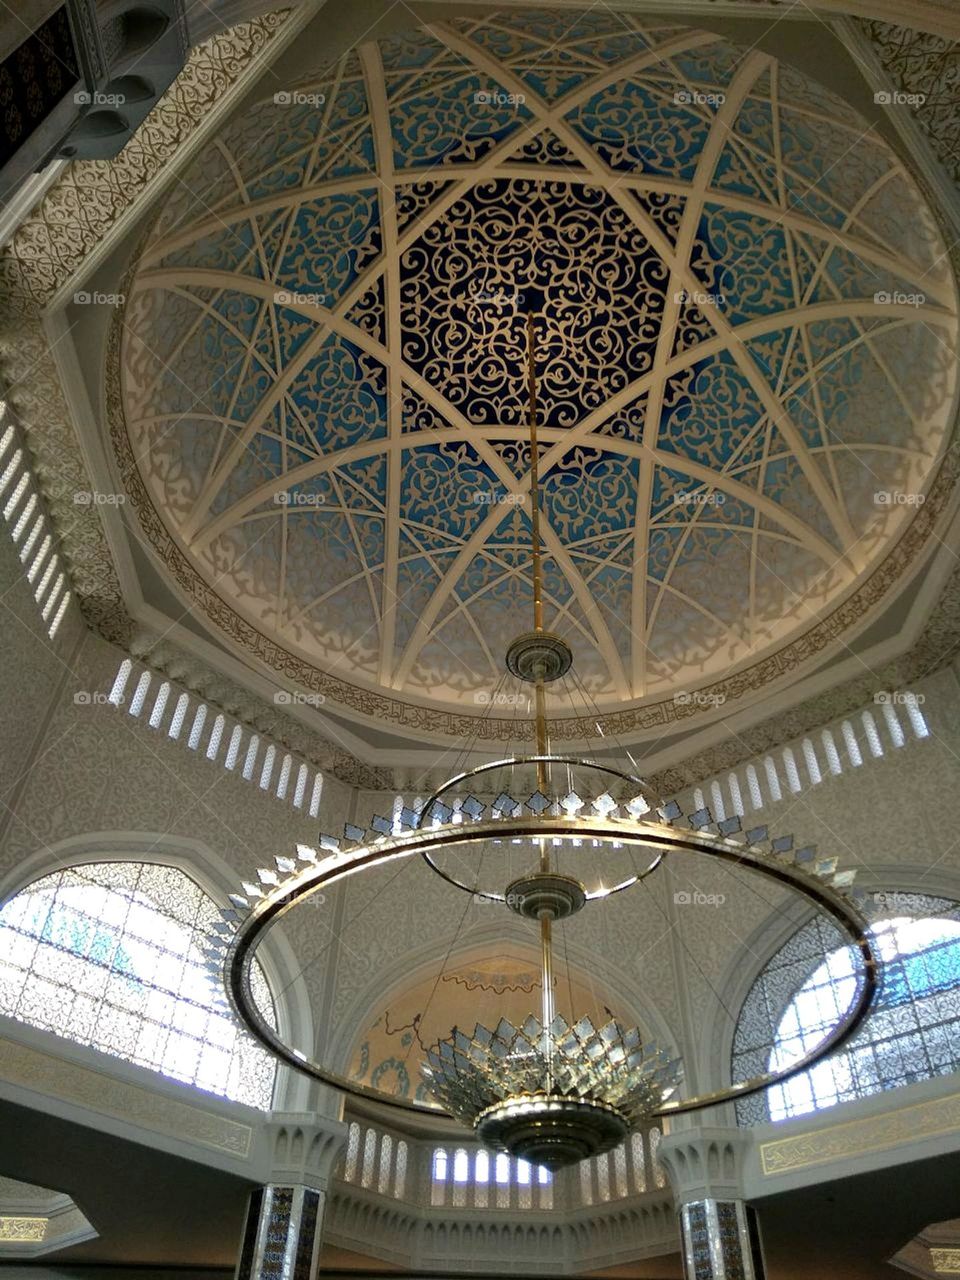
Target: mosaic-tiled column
(719,1235)
(720,1241)
(281,1239)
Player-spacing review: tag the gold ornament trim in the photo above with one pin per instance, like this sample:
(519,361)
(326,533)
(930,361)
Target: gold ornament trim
(861,1137)
(22,1230)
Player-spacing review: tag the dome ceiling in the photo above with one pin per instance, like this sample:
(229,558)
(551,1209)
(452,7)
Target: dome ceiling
(747,333)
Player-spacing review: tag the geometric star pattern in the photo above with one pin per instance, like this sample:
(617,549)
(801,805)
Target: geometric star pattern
(746,331)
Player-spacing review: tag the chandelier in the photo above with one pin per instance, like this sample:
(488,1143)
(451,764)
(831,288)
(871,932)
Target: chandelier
(551,1090)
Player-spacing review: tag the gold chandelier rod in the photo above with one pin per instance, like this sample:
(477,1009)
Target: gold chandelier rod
(547,1007)
(540,718)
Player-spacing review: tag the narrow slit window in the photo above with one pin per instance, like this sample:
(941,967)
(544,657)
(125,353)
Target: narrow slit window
(753,787)
(812,763)
(120,683)
(140,693)
(736,799)
(316,795)
(831,753)
(216,736)
(871,734)
(301,787)
(266,772)
(717,807)
(773,779)
(253,746)
(233,750)
(179,715)
(894,727)
(160,705)
(196,729)
(851,743)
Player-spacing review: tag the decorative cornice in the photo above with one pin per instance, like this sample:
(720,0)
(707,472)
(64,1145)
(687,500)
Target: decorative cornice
(56,1077)
(48,249)
(861,1137)
(925,68)
(91,196)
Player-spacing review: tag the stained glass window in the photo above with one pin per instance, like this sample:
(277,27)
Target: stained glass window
(111,955)
(910,1033)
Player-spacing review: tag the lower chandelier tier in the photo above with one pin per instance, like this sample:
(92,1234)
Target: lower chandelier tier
(551,1095)
(551,1129)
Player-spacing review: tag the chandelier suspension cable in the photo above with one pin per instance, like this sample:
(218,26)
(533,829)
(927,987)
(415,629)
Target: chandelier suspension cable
(469,744)
(673,928)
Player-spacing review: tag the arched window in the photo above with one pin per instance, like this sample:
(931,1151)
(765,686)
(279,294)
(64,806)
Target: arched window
(461,1176)
(216,733)
(284,780)
(524,1185)
(438,1183)
(753,786)
(139,694)
(638,1161)
(253,746)
(369,1158)
(620,1171)
(659,1173)
(179,714)
(353,1153)
(193,742)
(736,796)
(160,705)
(910,1034)
(120,683)
(501,1173)
(716,801)
(233,748)
(850,742)
(111,955)
(400,1181)
(301,787)
(266,773)
(315,795)
(773,779)
(386,1152)
(831,752)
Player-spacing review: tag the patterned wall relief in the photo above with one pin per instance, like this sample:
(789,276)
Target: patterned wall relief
(731,340)
(927,68)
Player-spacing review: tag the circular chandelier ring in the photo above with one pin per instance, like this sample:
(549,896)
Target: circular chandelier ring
(239,955)
(649,796)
